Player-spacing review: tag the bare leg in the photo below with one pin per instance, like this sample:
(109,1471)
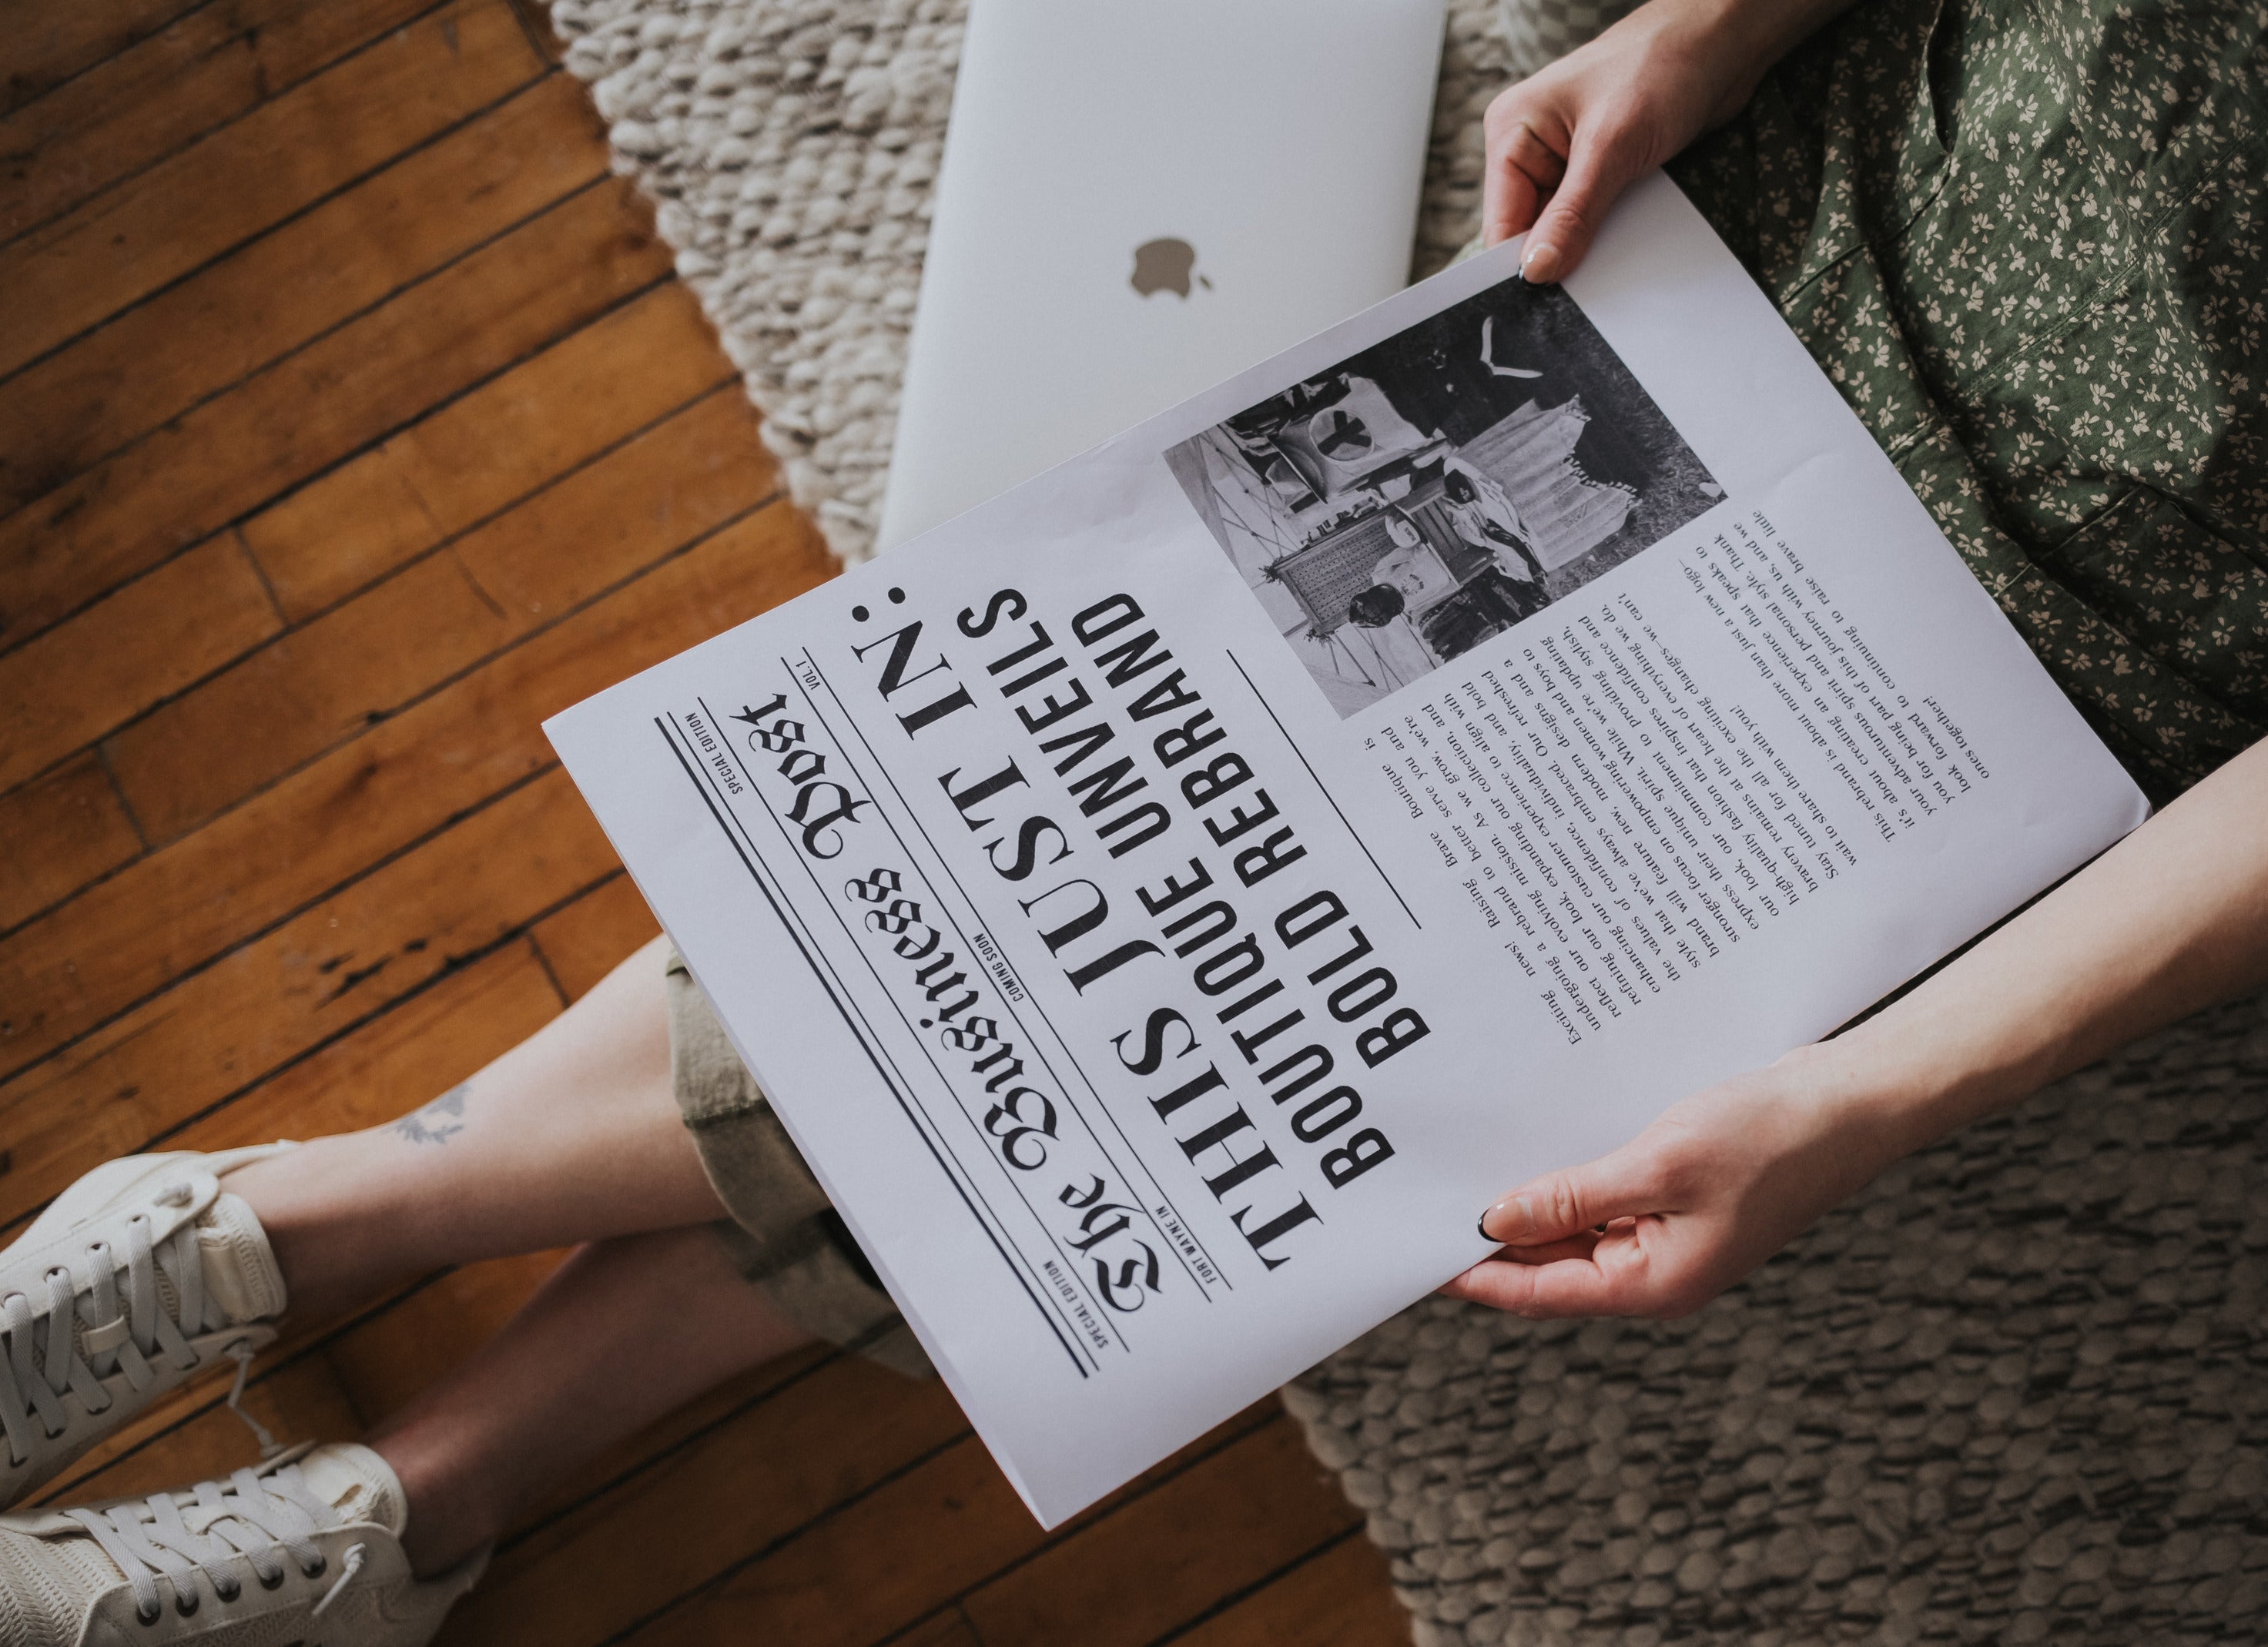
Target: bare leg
(572,1135)
(547,1394)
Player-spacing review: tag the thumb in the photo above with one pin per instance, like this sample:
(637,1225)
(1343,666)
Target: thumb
(1601,165)
(1522,166)
(1566,1204)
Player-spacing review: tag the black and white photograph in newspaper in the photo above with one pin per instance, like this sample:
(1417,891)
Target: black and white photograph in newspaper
(1429,493)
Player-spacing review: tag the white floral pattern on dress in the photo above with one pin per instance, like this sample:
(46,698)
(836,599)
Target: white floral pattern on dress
(2026,242)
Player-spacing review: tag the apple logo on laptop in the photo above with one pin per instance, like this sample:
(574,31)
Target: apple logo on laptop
(1164,265)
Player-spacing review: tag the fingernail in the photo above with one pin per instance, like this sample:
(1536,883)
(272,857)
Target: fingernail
(1540,264)
(1509,1219)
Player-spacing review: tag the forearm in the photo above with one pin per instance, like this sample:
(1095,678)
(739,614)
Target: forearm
(1759,33)
(1726,46)
(2172,919)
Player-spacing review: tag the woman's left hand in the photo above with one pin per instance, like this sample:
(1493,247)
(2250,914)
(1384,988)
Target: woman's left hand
(1722,1181)
(1566,141)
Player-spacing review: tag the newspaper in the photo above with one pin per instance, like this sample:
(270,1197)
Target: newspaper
(1167,903)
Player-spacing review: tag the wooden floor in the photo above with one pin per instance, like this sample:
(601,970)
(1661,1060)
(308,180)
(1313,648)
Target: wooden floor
(352,422)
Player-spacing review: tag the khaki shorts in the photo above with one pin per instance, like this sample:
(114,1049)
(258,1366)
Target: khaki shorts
(783,1235)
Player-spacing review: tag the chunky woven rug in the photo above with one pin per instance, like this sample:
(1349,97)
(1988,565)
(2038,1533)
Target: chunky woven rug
(2018,1392)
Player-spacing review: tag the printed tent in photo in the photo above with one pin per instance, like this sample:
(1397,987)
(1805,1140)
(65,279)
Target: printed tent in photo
(1530,454)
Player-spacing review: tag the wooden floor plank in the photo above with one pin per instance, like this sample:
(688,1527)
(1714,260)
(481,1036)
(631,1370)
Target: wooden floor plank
(146,642)
(48,44)
(1155,1563)
(353,386)
(57,834)
(688,1426)
(251,306)
(178,908)
(1343,1597)
(952,1522)
(944,1523)
(591,937)
(593,1574)
(675,483)
(437,617)
(404,88)
(168,89)
(949,1628)
(430,1040)
(307,692)
(220,1030)
(535,17)
(487,451)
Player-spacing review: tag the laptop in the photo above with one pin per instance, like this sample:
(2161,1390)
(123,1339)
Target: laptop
(1139,200)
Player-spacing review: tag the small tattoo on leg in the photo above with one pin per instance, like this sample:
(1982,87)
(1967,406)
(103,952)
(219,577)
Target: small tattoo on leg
(437,1122)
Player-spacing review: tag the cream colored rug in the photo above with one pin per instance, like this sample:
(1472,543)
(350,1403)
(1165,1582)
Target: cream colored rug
(2017,1393)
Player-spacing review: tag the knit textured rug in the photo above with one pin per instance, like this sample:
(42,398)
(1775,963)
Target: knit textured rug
(2017,1392)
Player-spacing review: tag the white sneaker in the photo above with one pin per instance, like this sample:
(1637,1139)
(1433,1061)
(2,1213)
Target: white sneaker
(139,1278)
(306,1549)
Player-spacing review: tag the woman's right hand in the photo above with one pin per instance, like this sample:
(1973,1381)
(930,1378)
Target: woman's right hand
(1564,142)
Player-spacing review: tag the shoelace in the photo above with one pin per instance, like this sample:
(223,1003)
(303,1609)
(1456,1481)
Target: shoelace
(248,1520)
(41,1356)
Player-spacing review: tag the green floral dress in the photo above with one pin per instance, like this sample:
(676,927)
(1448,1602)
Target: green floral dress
(2028,243)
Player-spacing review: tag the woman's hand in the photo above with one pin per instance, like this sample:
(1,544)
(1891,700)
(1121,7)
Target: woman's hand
(2173,918)
(1564,142)
(1716,1186)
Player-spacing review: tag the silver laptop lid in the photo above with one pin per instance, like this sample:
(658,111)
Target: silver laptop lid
(1140,199)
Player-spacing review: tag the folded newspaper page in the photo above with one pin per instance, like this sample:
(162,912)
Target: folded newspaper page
(1167,903)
